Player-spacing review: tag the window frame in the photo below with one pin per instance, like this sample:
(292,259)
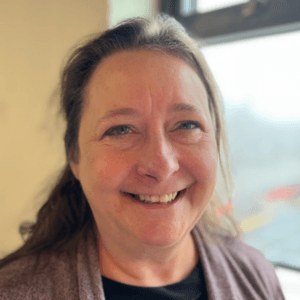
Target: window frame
(255,18)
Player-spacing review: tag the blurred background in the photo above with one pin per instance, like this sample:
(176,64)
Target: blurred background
(253,50)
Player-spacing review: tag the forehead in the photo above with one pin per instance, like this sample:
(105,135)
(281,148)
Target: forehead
(132,74)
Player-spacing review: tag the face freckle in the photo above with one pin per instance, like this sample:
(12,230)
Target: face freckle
(146,129)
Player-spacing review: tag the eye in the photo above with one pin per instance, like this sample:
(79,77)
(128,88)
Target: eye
(118,130)
(189,125)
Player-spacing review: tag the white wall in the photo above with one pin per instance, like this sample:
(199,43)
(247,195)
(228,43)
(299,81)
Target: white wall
(35,37)
(123,9)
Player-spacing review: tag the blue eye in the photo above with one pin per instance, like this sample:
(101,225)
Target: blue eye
(189,125)
(118,130)
(121,130)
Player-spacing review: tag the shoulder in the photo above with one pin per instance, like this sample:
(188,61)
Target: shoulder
(235,267)
(38,277)
(232,250)
(249,267)
(245,255)
(234,253)
(17,280)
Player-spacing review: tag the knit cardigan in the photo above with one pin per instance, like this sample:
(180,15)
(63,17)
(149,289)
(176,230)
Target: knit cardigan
(232,270)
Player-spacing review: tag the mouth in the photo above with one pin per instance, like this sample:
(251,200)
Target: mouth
(156,200)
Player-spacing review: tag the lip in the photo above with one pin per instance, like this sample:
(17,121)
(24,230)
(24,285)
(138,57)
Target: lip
(149,194)
(156,205)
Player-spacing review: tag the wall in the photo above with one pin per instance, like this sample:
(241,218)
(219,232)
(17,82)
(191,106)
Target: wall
(35,35)
(120,9)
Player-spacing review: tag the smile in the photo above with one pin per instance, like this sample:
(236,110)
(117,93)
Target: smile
(167,198)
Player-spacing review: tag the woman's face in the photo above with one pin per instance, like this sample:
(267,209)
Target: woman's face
(146,130)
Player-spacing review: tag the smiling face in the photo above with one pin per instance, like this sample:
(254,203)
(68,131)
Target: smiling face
(146,130)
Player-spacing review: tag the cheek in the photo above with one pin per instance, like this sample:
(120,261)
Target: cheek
(108,168)
(202,162)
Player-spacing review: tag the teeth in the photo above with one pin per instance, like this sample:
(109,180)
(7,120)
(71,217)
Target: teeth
(162,199)
(154,199)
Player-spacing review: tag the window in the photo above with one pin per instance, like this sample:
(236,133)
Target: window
(259,81)
(204,6)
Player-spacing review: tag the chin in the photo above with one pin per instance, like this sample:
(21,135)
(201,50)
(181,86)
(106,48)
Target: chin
(162,237)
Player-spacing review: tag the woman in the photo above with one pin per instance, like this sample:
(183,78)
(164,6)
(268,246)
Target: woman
(134,213)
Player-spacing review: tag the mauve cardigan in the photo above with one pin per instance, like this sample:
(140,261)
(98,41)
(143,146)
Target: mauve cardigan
(233,271)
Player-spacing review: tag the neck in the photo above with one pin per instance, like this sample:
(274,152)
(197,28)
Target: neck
(144,265)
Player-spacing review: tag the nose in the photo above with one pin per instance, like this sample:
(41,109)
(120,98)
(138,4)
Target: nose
(158,159)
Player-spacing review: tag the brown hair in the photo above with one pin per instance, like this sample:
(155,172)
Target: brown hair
(66,214)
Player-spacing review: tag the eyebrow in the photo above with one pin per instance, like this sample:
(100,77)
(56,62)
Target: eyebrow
(182,107)
(128,111)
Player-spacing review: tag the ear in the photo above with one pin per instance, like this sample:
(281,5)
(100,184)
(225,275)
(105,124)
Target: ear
(75,169)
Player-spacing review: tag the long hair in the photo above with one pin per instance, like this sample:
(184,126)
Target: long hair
(66,215)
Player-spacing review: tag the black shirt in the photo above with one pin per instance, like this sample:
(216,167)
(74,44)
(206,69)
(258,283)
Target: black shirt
(191,288)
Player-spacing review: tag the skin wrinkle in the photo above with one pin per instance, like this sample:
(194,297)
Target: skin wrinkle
(157,159)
